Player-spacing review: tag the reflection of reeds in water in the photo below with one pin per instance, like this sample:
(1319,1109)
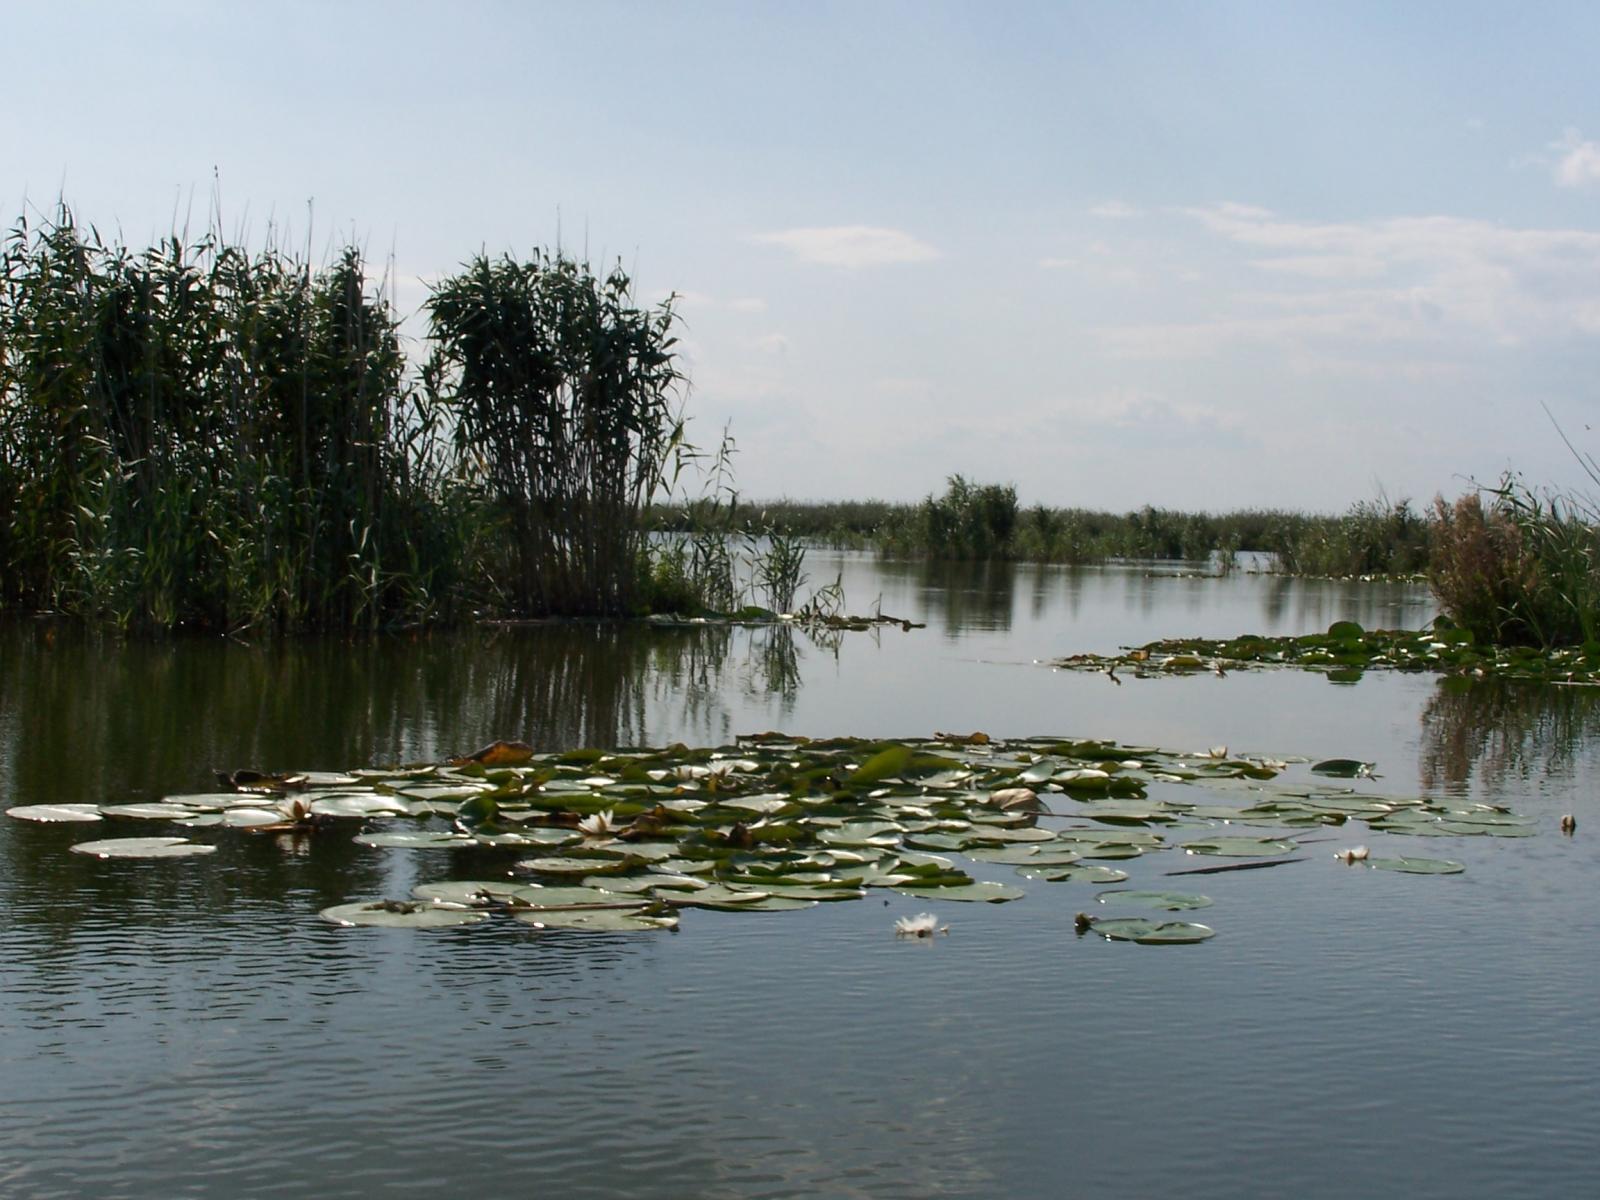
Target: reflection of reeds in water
(1504,732)
(966,595)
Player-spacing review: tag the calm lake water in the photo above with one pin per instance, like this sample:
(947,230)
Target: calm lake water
(193,1028)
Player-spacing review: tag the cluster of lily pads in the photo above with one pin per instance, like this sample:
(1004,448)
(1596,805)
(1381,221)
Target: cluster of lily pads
(1347,650)
(626,839)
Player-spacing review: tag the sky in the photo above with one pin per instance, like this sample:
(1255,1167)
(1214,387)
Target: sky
(1197,255)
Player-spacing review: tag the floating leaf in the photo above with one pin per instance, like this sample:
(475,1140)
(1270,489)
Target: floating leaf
(572,866)
(1151,933)
(1170,901)
(55,812)
(1343,768)
(417,840)
(883,765)
(244,818)
(1053,855)
(401,914)
(1241,847)
(148,812)
(154,847)
(1417,866)
(357,805)
(600,921)
(991,893)
(1074,874)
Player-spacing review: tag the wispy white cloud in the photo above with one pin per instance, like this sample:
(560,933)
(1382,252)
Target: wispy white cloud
(748,304)
(1442,279)
(1057,264)
(772,343)
(1323,266)
(1114,210)
(1579,163)
(849,246)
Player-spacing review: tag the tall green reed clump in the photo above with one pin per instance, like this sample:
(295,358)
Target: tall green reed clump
(1373,537)
(970,521)
(1523,568)
(200,435)
(563,395)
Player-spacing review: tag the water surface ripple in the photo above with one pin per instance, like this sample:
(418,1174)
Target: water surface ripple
(193,1029)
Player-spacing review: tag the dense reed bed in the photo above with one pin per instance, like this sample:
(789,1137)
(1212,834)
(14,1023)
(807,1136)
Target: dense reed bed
(982,521)
(204,435)
(196,434)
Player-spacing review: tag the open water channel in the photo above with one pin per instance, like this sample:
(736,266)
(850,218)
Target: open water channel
(192,1027)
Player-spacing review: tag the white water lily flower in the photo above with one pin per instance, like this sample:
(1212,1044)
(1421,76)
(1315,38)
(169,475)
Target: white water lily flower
(599,824)
(1354,855)
(923,925)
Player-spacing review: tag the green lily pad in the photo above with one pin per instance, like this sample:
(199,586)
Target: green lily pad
(1055,855)
(1417,866)
(357,805)
(154,847)
(572,866)
(1152,933)
(1343,768)
(720,895)
(600,921)
(562,897)
(988,893)
(1082,874)
(1169,901)
(432,839)
(1241,847)
(148,812)
(244,818)
(55,812)
(469,891)
(401,914)
(633,884)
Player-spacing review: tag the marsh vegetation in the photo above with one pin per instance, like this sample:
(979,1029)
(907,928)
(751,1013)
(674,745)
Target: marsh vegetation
(204,435)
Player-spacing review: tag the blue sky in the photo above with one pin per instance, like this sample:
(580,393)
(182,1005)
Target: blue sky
(1201,255)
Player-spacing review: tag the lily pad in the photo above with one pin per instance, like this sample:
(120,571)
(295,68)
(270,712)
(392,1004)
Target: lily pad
(1417,866)
(572,866)
(1055,855)
(469,891)
(1168,901)
(55,812)
(1343,768)
(149,812)
(1152,933)
(357,805)
(600,921)
(1081,874)
(1241,847)
(432,839)
(987,893)
(402,914)
(154,847)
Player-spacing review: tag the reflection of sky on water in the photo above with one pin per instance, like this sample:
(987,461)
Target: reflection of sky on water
(194,1027)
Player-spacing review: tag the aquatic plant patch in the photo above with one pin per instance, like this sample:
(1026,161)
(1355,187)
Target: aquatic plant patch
(626,840)
(1345,652)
